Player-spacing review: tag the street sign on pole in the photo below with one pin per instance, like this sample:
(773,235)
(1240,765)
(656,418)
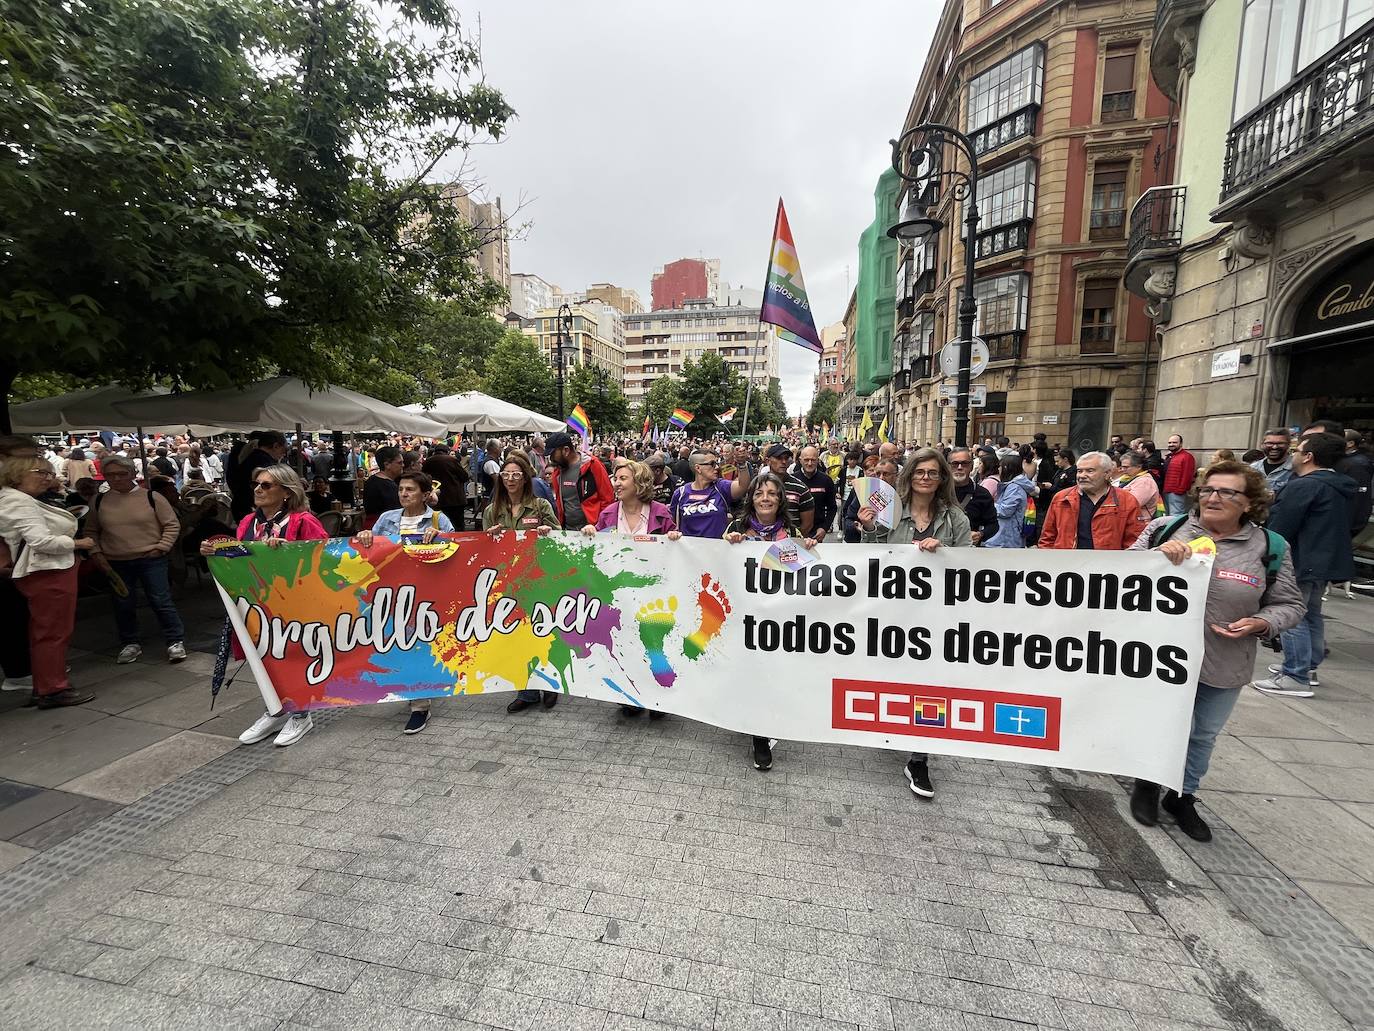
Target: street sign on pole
(949,393)
(978,358)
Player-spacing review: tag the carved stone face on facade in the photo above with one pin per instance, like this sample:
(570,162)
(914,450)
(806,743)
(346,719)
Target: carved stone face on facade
(1162,280)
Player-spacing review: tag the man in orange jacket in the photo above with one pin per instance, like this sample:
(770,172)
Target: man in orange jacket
(1096,516)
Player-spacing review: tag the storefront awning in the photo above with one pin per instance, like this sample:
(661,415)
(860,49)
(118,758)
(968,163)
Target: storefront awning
(1322,336)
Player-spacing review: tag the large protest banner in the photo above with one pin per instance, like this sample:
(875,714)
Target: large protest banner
(1088,661)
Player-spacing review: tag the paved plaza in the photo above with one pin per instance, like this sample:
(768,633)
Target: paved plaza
(574,869)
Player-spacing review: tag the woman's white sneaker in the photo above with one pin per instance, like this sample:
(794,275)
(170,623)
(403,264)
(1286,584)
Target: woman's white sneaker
(266,726)
(296,728)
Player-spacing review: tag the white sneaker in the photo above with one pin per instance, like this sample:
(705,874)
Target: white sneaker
(1282,684)
(129,653)
(1312,680)
(266,725)
(17,683)
(296,728)
(176,652)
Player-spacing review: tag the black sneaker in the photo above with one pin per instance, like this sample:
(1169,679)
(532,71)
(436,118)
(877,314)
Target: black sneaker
(518,704)
(918,778)
(1182,809)
(419,720)
(631,711)
(763,753)
(1145,802)
(550,699)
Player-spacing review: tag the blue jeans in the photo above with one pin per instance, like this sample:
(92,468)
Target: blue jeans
(1175,504)
(152,574)
(1305,645)
(1211,709)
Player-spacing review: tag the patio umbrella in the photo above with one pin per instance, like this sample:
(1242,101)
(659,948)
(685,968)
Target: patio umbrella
(482,413)
(281,403)
(94,409)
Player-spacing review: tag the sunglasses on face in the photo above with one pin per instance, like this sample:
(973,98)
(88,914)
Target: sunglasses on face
(264,485)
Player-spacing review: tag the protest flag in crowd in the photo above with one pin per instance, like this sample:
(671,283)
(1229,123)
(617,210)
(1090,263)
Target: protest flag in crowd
(727,415)
(785,304)
(579,423)
(645,431)
(865,424)
(825,433)
(680,418)
(882,430)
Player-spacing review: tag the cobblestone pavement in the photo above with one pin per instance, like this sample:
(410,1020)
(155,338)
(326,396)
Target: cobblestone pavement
(574,869)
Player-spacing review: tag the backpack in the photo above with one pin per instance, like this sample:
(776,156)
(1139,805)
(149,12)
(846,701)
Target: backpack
(1276,548)
(1030,520)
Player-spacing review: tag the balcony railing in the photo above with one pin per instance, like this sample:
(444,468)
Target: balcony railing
(1157,220)
(1328,102)
(920,368)
(901,380)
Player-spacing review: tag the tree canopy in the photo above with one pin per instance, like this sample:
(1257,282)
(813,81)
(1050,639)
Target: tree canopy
(210,191)
(823,407)
(516,371)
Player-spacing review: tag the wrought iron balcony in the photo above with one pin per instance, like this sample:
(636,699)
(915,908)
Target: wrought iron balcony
(920,368)
(1156,233)
(1324,114)
(901,380)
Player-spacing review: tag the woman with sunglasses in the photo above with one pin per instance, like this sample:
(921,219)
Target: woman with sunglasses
(42,541)
(931,518)
(766,517)
(514,506)
(280,514)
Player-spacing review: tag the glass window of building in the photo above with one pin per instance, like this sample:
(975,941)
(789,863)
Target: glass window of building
(1006,200)
(1107,220)
(1097,324)
(1118,86)
(1280,38)
(1002,307)
(1002,100)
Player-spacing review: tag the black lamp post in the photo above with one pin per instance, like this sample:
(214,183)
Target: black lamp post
(918,158)
(565,324)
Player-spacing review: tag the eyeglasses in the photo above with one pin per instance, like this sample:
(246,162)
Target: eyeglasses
(708,463)
(960,465)
(926,474)
(516,475)
(42,472)
(1225,493)
(264,484)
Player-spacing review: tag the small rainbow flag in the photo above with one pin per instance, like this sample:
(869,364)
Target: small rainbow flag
(645,431)
(680,418)
(1031,518)
(579,423)
(1159,507)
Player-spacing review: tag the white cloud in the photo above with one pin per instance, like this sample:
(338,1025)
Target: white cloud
(649,132)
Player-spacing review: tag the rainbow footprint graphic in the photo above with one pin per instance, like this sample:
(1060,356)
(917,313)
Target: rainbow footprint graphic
(715,606)
(656,621)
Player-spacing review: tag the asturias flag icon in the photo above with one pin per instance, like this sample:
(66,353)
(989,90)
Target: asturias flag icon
(785,304)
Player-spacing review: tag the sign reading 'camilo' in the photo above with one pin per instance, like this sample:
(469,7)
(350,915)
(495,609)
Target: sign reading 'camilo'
(1020,655)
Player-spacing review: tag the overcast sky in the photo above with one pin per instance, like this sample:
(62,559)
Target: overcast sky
(650,131)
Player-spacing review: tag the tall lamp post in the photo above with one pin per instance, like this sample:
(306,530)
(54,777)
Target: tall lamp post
(565,324)
(918,158)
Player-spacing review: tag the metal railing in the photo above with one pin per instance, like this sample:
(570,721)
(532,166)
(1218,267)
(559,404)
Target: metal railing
(1157,220)
(1329,101)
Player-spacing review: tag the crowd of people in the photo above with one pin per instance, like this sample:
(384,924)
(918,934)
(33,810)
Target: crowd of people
(1283,517)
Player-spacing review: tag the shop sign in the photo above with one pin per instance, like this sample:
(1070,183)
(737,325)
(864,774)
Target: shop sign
(1226,363)
(1344,298)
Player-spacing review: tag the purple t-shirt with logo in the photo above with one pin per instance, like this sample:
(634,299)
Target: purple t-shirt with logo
(704,512)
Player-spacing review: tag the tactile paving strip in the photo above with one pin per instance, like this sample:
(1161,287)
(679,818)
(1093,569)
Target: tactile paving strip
(1344,975)
(1278,907)
(52,866)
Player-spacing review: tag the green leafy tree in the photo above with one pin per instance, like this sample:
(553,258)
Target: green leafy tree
(710,386)
(206,192)
(823,407)
(664,395)
(600,397)
(516,371)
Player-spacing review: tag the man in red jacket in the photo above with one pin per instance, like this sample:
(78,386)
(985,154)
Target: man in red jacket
(1180,470)
(1096,516)
(581,489)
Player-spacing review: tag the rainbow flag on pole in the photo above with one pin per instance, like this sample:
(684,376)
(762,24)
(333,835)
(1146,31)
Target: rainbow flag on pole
(680,418)
(579,423)
(785,304)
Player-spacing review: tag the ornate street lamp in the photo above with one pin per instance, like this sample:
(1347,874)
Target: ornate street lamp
(918,158)
(565,325)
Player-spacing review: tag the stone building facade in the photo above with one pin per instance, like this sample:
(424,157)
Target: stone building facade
(1069,129)
(1259,259)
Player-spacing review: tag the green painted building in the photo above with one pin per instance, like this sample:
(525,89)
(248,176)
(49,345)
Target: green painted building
(877,290)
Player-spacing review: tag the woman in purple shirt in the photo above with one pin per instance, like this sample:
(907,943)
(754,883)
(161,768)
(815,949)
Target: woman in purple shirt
(702,508)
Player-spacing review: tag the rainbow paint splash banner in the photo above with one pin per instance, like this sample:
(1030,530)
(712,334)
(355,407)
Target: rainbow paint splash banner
(1019,655)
